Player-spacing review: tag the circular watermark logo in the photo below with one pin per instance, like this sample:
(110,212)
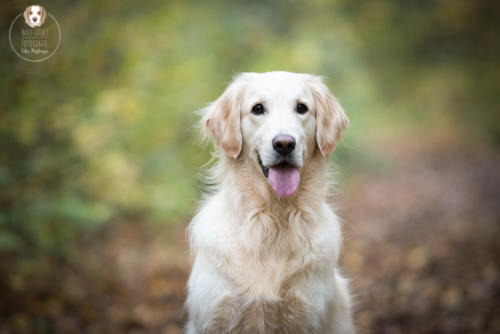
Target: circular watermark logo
(35,34)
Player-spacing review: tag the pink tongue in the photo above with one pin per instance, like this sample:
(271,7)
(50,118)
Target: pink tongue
(284,180)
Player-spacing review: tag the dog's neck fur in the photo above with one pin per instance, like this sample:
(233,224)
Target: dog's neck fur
(268,224)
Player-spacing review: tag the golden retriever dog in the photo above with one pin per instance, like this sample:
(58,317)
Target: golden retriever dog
(265,241)
(34,16)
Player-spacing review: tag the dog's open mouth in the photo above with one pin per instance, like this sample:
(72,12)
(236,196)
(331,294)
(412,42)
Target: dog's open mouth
(284,178)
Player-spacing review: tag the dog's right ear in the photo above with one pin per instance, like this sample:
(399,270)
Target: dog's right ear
(221,119)
(44,15)
(26,17)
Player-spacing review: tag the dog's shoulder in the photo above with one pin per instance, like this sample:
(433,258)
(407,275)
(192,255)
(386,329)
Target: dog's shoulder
(210,226)
(327,238)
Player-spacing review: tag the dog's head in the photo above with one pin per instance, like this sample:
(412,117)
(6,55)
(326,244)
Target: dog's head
(34,15)
(277,120)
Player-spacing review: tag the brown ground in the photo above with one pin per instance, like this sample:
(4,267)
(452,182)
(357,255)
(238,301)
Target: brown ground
(422,246)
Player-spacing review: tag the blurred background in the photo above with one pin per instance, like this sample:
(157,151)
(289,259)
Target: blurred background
(99,156)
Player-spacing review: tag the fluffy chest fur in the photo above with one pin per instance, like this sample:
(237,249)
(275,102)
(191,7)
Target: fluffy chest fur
(273,269)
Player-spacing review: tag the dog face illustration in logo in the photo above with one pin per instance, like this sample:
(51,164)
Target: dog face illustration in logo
(34,16)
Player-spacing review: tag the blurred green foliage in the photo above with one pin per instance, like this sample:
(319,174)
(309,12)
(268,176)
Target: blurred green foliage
(105,128)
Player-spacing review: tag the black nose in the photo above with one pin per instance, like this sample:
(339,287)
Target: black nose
(284,144)
(35,18)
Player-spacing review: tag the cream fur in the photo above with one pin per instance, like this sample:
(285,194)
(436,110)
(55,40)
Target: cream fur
(265,264)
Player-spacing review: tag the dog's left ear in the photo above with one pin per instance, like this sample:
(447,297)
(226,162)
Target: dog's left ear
(331,119)
(221,119)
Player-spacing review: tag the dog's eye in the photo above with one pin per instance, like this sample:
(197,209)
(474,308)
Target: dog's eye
(258,109)
(31,13)
(38,13)
(301,108)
